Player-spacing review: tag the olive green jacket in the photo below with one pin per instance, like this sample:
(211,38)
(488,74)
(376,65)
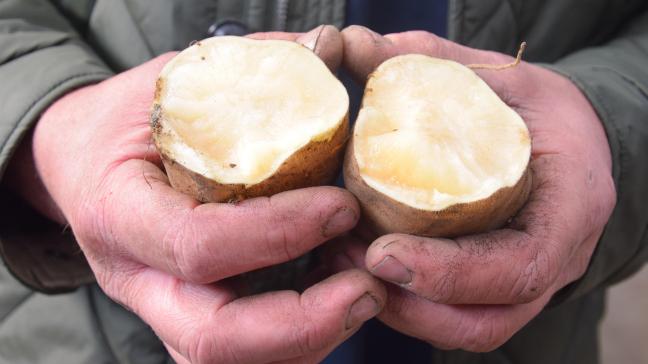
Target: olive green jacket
(52,312)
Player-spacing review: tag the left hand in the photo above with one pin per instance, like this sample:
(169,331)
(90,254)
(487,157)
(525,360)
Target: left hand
(475,292)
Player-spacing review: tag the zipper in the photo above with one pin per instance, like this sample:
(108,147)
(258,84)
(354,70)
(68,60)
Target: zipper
(281,16)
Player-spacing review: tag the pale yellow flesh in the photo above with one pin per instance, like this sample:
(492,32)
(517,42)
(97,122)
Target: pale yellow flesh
(432,134)
(238,108)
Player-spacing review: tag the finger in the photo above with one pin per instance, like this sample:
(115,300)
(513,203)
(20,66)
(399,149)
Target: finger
(325,41)
(320,355)
(476,328)
(513,265)
(200,323)
(151,223)
(364,50)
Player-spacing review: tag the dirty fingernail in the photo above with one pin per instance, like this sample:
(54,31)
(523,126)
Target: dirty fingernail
(390,269)
(343,220)
(362,310)
(309,40)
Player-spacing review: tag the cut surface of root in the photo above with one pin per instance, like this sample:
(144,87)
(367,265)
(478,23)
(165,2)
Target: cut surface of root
(235,109)
(432,134)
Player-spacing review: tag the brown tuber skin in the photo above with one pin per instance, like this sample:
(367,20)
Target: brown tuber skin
(386,215)
(316,163)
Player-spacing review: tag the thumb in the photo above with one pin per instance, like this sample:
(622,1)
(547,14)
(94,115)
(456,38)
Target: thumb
(364,50)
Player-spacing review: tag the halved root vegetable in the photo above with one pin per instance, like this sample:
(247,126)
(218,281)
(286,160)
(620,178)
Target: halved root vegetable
(435,152)
(236,118)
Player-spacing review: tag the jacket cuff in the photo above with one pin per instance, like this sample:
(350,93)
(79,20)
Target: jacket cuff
(621,103)
(38,252)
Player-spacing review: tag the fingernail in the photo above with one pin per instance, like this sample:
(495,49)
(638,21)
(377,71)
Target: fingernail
(309,40)
(362,310)
(343,220)
(390,269)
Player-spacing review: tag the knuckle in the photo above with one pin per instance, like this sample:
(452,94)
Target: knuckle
(119,284)
(282,238)
(280,242)
(534,277)
(305,337)
(443,279)
(90,223)
(308,337)
(433,44)
(486,335)
(184,256)
(201,347)
(444,289)
(93,227)
(108,282)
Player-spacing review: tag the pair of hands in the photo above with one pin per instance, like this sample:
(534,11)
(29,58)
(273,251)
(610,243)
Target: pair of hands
(168,258)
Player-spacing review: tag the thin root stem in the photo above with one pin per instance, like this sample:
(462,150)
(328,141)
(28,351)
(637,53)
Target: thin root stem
(499,67)
(319,34)
(148,148)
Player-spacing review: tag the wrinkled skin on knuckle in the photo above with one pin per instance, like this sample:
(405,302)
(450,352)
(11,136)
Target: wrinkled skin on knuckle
(208,342)
(183,243)
(286,228)
(443,282)
(535,277)
(308,337)
(486,336)
(92,228)
(200,348)
(282,238)
(478,332)
(279,244)
(118,283)
(313,335)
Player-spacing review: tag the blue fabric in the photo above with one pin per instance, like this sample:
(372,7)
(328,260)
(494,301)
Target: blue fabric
(392,16)
(376,343)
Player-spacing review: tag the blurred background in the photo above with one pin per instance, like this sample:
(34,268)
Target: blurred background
(624,333)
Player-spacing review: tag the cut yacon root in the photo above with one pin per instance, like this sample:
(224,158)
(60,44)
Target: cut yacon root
(435,151)
(235,118)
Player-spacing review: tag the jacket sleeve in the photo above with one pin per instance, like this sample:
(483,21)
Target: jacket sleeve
(614,77)
(41,58)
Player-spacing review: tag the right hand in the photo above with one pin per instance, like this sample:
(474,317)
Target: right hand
(158,252)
